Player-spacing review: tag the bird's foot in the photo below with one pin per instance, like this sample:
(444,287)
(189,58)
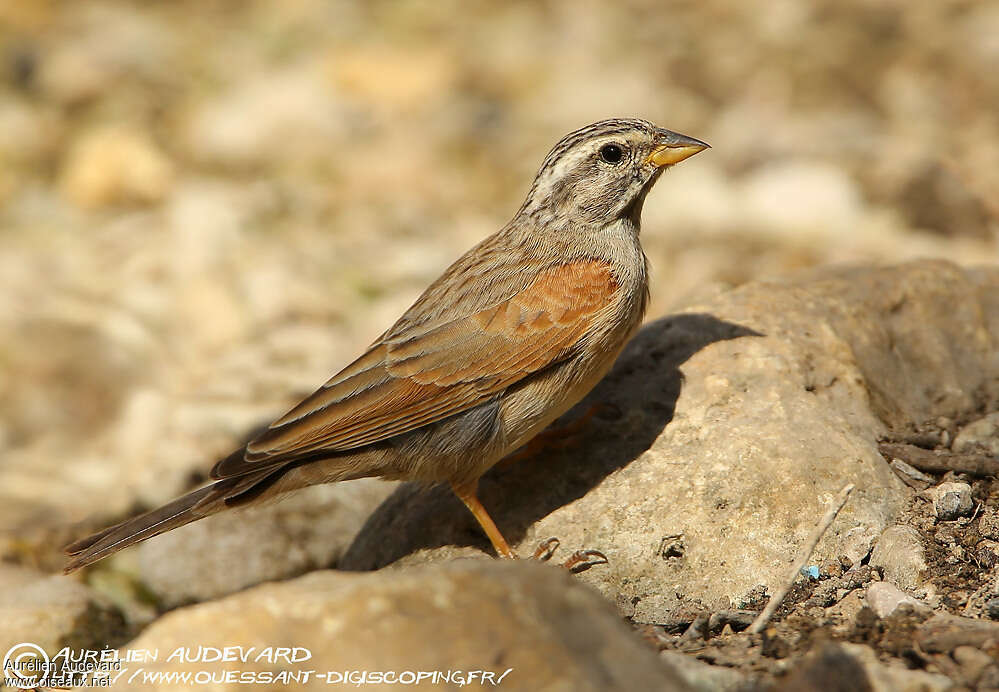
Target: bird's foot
(579,561)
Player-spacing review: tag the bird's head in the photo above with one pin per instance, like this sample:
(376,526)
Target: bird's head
(602,172)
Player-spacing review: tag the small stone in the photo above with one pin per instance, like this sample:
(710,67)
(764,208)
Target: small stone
(845,610)
(857,667)
(900,556)
(990,678)
(114,165)
(988,523)
(703,676)
(981,436)
(973,661)
(884,598)
(911,476)
(986,553)
(774,646)
(951,500)
(992,608)
(71,75)
(830,569)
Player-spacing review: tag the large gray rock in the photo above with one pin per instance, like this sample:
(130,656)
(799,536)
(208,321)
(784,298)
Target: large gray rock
(731,425)
(533,624)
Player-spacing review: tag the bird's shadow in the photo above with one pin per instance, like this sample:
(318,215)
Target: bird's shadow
(611,427)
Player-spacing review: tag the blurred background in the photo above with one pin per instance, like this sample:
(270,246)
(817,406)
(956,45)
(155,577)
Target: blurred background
(207,207)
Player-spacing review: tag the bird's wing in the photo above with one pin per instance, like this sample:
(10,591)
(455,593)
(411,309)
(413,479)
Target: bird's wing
(427,371)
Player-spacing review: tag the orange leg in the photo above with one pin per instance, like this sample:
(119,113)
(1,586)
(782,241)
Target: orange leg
(577,562)
(466,493)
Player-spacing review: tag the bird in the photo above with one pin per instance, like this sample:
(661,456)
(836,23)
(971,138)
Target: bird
(513,334)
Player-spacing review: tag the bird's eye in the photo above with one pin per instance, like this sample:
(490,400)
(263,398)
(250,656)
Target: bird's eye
(611,153)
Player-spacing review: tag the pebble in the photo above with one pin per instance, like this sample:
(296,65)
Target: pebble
(912,477)
(702,676)
(884,599)
(951,500)
(973,661)
(992,607)
(900,556)
(986,552)
(988,524)
(831,569)
(113,165)
(979,436)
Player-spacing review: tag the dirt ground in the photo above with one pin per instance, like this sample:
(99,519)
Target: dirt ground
(817,612)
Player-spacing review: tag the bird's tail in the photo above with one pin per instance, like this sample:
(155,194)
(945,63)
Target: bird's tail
(185,509)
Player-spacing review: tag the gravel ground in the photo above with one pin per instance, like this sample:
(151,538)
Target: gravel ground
(206,208)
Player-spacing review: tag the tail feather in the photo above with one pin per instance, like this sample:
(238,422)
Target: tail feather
(185,509)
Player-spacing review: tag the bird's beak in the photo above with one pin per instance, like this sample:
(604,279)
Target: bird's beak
(674,148)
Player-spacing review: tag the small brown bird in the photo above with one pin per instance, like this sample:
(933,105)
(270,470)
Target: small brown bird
(513,334)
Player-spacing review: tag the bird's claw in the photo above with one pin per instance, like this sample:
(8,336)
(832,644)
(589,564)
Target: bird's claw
(582,560)
(579,561)
(546,549)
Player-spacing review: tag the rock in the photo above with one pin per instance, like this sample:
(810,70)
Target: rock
(943,633)
(992,607)
(732,424)
(704,677)
(830,569)
(533,620)
(900,556)
(54,611)
(988,523)
(801,197)
(845,611)
(884,598)
(986,552)
(856,667)
(113,165)
(392,80)
(973,662)
(980,436)
(951,500)
(32,134)
(286,115)
(71,76)
(230,551)
(912,477)
(990,678)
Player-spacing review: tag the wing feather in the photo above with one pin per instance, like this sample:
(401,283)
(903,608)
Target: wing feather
(422,374)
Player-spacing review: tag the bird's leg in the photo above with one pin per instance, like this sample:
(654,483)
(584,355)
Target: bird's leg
(466,493)
(577,562)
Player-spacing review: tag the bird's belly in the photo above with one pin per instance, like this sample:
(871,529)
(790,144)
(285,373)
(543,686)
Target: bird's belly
(464,446)
(532,407)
